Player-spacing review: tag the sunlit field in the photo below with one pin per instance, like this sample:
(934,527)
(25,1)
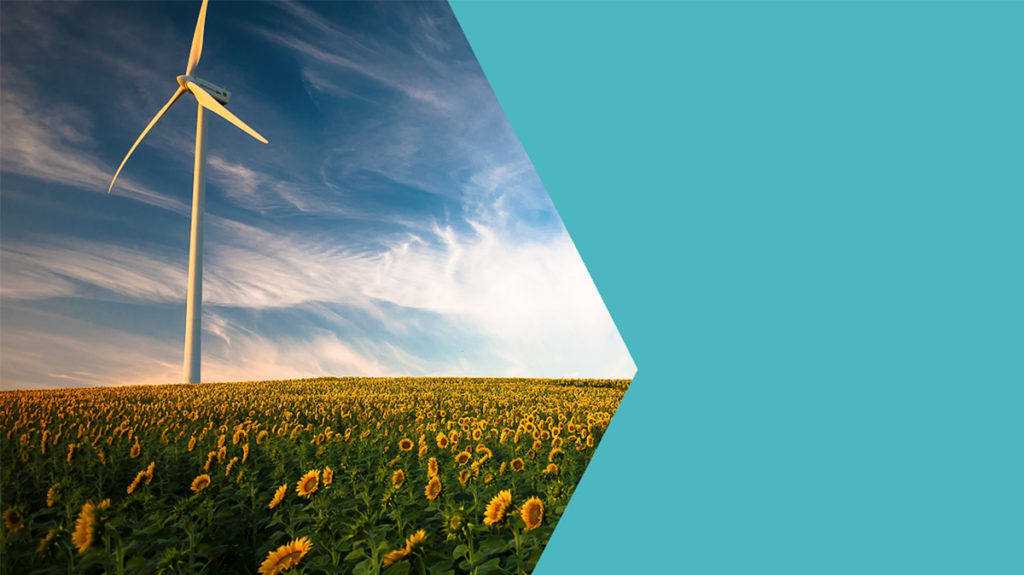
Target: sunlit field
(356,475)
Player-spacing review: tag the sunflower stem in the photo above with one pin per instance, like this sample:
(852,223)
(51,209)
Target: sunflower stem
(519,561)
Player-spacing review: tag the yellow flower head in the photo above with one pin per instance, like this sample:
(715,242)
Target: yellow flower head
(395,556)
(433,488)
(285,557)
(12,520)
(432,467)
(85,525)
(278,496)
(464,476)
(45,542)
(200,483)
(411,543)
(532,513)
(138,479)
(517,464)
(328,475)
(463,457)
(398,479)
(415,540)
(442,441)
(308,484)
(496,508)
(405,444)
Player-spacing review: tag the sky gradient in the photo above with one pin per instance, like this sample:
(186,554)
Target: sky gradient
(393,226)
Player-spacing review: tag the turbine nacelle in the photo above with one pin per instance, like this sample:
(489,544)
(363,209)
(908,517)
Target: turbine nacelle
(218,93)
(208,95)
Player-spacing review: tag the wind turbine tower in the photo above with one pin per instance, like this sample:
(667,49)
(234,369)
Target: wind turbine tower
(208,97)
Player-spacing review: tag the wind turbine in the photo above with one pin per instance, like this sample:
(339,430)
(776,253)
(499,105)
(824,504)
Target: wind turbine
(208,97)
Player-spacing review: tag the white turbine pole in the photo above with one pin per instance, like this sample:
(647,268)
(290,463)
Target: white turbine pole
(194,304)
(205,101)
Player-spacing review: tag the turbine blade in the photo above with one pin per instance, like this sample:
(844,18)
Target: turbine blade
(207,101)
(159,114)
(197,41)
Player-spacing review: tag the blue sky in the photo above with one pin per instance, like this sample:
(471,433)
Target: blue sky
(393,225)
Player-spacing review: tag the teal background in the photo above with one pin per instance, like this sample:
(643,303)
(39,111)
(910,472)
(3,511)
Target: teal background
(806,221)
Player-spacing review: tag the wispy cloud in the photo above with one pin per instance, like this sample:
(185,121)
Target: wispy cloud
(54,144)
(394,225)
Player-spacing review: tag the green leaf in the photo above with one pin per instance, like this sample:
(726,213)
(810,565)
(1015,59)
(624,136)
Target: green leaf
(364,567)
(400,568)
(460,551)
(489,567)
(493,545)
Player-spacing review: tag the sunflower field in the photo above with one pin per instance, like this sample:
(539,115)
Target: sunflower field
(327,475)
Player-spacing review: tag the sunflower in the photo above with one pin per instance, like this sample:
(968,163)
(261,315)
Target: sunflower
(411,543)
(308,484)
(463,457)
(200,483)
(455,522)
(245,452)
(135,451)
(138,479)
(551,469)
(278,496)
(45,542)
(395,556)
(85,525)
(405,444)
(432,468)
(532,513)
(433,488)
(442,440)
(328,476)
(464,476)
(285,557)
(496,508)
(517,464)
(398,479)
(192,443)
(12,520)
(51,496)
(415,540)
(149,471)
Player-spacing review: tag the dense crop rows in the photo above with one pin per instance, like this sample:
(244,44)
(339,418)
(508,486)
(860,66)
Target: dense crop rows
(329,475)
